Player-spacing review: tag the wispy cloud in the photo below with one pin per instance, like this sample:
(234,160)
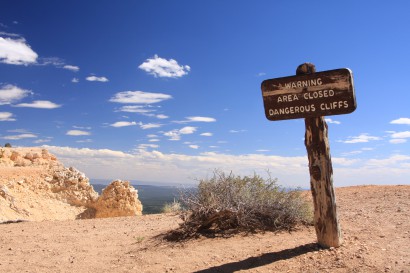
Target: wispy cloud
(123,123)
(41,104)
(139,97)
(141,109)
(397,141)
(293,171)
(363,138)
(195,119)
(73,68)
(401,121)
(176,133)
(6,116)
(145,146)
(149,125)
(192,146)
(161,116)
(329,120)
(44,140)
(11,94)
(236,131)
(96,79)
(16,51)
(262,150)
(390,161)
(77,133)
(206,134)
(160,67)
(399,137)
(75,80)
(20,136)
(405,134)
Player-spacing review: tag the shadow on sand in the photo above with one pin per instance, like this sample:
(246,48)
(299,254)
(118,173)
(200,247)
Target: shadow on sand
(262,260)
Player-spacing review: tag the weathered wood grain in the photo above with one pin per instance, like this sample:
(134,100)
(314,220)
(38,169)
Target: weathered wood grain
(321,177)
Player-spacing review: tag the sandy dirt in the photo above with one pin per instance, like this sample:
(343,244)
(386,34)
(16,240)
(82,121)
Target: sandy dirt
(375,222)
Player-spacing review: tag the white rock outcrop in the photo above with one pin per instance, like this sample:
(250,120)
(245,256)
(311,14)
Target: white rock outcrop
(34,185)
(119,198)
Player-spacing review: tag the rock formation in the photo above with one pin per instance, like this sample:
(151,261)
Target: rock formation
(34,185)
(118,199)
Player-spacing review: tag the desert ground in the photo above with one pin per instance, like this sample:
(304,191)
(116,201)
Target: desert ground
(375,221)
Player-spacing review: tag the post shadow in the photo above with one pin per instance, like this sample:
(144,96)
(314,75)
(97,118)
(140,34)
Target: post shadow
(262,260)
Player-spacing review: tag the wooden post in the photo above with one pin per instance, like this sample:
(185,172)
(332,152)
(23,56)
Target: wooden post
(321,176)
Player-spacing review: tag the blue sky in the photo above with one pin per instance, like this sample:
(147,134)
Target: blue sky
(168,91)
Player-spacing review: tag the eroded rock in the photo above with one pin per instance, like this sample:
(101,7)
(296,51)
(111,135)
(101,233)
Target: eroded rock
(118,199)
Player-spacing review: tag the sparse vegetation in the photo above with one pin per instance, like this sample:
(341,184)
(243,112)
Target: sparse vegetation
(7,145)
(173,207)
(227,204)
(139,239)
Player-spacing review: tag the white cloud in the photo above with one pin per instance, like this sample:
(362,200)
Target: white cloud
(153,140)
(405,134)
(135,109)
(206,134)
(236,131)
(194,147)
(145,146)
(187,130)
(200,119)
(161,116)
(77,133)
(149,125)
(38,141)
(397,141)
(393,160)
(6,116)
(401,121)
(262,150)
(185,169)
(173,135)
(363,138)
(139,97)
(82,127)
(16,51)
(96,79)
(123,123)
(160,67)
(71,67)
(329,120)
(196,119)
(41,104)
(11,93)
(176,134)
(75,80)
(68,152)
(21,136)
(51,61)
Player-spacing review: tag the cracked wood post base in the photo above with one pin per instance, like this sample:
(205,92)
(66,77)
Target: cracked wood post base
(321,176)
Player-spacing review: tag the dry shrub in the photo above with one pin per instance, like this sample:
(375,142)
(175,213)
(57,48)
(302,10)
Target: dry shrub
(226,204)
(174,207)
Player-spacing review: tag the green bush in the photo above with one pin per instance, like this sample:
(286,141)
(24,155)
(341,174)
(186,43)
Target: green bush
(228,203)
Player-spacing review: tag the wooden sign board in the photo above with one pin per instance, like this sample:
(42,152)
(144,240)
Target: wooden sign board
(317,94)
